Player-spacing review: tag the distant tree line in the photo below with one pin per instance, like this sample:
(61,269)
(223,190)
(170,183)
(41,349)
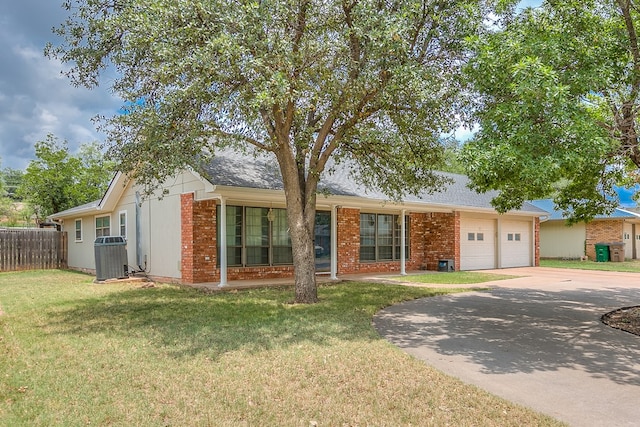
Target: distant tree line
(54,181)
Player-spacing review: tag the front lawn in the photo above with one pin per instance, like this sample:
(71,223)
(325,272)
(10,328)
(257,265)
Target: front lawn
(632,266)
(453,278)
(75,353)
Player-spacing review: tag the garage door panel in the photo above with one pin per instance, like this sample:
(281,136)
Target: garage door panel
(515,244)
(477,244)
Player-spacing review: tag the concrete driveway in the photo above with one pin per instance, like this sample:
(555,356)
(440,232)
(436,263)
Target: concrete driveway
(535,340)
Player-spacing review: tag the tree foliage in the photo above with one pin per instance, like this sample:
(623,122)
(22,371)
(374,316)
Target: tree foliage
(371,82)
(559,88)
(57,180)
(12,179)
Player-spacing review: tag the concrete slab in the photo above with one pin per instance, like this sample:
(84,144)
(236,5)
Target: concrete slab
(536,340)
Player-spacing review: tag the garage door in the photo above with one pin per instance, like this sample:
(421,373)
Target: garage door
(477,244)
(628,239)
(515,244)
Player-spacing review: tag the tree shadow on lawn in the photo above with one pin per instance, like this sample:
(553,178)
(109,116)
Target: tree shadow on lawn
(184,322)
(521,330)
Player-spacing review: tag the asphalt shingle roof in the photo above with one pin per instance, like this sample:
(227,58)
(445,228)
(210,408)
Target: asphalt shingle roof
(230,168)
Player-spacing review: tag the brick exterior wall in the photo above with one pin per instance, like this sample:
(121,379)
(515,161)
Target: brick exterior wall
(602,231)
(442,239)
(432,237)
(348,238)
(198,236)
(259,272)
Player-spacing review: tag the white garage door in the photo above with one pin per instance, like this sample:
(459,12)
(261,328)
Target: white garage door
(477,244)
(628,240)
(515,244)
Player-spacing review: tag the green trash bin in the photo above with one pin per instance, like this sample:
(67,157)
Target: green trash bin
(602,252)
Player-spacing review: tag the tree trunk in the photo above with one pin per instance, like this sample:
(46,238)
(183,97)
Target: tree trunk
(304,261)
(301,212)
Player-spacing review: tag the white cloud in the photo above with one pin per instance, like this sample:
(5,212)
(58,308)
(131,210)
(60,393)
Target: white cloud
(35,97)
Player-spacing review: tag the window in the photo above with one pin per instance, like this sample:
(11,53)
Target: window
(122,219)
(281,241)
(78,228)
(380,237)
(257,236)
(517,237)
(471,236)
(510,237)
(480,237)
(103,226)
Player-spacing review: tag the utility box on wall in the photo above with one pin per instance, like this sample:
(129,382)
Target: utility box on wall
(446,265)
(111,258)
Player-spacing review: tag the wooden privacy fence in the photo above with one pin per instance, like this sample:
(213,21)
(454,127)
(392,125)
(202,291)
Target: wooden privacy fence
(32,249)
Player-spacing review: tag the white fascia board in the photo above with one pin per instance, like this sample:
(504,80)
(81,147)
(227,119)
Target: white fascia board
(113,193)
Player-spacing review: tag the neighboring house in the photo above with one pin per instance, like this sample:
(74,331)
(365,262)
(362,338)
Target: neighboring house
(175,234)
(560,240)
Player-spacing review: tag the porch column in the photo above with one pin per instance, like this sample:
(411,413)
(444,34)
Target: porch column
(334,242)
(222,239)
(403,242)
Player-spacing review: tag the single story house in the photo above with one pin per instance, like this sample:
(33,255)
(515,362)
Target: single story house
(560,240)
(175,235)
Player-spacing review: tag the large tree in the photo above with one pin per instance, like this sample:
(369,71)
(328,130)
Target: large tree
(371,82)
(559,87)
(58,180)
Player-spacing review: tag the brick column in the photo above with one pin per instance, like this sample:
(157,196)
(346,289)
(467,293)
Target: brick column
(186,233)
(348,239)
(198,235)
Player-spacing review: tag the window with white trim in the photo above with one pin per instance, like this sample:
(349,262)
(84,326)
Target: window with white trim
(256,236)
(78,229)
(122,222)
(380,237)
(103,226)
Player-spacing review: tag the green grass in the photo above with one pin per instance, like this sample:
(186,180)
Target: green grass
(625,266)
(75,353)
(454,278)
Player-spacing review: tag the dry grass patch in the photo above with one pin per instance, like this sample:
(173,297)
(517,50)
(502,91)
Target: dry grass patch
(75,353)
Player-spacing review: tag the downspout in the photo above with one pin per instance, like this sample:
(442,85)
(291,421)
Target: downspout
(139,260)
(334,242)
(403,242)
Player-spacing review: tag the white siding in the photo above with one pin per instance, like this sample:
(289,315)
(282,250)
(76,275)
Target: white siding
(160,232)
(557,240)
